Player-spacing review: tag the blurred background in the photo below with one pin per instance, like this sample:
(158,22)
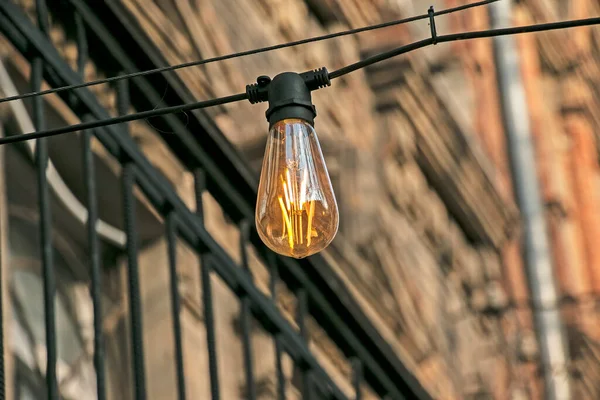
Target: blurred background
(466,175)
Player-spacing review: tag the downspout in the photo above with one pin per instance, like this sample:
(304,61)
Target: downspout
(538,261)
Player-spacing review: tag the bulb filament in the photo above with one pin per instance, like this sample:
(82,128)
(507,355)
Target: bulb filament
(294,206)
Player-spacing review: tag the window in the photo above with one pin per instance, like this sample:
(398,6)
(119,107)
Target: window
(28,329)
(74,319)
(73,304)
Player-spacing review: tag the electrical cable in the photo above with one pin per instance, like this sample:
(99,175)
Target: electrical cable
(246,53)
(55,181)
(462,36)
(335,74)
(123,118)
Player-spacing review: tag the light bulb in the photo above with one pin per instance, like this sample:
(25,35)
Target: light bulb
(296,211)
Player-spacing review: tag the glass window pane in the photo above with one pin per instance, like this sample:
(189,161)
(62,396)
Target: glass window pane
(29,292)
(25,393)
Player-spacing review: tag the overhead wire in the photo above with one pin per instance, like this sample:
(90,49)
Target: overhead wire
(333,75)
(246,53)
(462,36)
(124,118)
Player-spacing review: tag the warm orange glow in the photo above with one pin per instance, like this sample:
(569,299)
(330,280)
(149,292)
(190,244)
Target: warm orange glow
(295,226)
(296,213)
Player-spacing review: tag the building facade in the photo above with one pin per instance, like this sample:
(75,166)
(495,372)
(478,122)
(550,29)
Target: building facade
(429,251)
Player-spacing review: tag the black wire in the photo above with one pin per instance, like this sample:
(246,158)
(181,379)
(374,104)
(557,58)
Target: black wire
(332,75)
(245,53)
(124,118)
(380,57)
(461,36)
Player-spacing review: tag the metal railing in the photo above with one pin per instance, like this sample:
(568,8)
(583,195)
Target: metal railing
(218,169)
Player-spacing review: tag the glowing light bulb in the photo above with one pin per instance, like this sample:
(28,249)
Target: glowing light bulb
(296,211)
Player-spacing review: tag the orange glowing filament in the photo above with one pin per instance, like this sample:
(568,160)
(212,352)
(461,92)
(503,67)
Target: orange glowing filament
(295,209)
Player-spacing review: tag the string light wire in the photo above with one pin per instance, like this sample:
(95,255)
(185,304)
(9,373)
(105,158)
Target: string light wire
(246,53)
(333,75)
(463,36)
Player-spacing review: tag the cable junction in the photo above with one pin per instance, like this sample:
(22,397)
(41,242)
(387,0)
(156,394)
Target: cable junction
(435,39)
(248,52)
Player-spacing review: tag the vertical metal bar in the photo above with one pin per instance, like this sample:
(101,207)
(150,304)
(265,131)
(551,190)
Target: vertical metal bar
(94,258)
(246,317)
(209,321)
(135,309)
(3,265)
(92,205)
(46,246)
(272,263)
(205,269)
(199,187)
(357,377)
(42,16)
(123,101)
(244,240)
(41,156)
(133,282)
(247,344)
(175,302)
(301,312)
(45,233)
(82,45)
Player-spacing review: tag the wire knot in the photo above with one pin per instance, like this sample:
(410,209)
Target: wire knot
(431,14)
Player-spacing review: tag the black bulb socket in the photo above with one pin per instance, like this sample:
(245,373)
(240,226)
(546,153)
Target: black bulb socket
(289,94)
(289,97)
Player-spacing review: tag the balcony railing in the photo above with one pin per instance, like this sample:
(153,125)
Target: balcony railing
(105,35)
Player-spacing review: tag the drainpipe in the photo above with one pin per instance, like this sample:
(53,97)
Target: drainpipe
(538,262)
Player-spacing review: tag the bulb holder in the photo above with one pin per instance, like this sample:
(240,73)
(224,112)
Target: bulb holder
(288,94)
(289,97)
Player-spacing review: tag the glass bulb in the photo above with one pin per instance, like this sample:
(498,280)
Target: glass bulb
(296,211)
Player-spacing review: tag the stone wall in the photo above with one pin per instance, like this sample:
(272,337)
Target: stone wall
(560,71)
(427,212)
(429,240)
